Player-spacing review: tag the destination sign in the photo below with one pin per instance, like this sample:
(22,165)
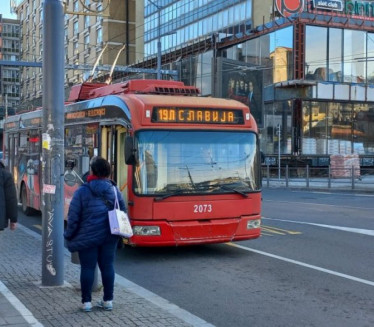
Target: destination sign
(197,116)
(99,112)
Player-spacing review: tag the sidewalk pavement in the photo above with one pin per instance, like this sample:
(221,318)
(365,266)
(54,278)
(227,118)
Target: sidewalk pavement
(25,302)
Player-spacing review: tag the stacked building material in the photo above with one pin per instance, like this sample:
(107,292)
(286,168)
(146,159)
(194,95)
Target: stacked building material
(341,165)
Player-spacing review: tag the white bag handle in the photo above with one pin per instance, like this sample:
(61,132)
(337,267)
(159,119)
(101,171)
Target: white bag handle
(116,204)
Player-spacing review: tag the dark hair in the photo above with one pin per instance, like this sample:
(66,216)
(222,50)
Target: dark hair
(100,167)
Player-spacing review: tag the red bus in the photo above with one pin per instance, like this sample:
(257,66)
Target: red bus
(188,166)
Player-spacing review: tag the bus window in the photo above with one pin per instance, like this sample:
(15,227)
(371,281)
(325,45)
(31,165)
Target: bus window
(121,166)
(81,142)
(196,162)
(108,146)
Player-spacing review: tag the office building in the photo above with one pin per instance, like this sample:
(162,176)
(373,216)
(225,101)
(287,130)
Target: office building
(309,63)
(9,74)
(9,51)
(89,27)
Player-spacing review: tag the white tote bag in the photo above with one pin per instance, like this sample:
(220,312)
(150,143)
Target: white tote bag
(118,220)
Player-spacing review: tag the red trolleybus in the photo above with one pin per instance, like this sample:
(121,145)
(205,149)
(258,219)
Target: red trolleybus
(188,166)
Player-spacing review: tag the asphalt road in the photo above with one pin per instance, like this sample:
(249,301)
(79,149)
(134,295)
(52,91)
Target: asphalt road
(312,266)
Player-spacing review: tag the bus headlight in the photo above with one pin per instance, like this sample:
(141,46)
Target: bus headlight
(252,224)
(146,230)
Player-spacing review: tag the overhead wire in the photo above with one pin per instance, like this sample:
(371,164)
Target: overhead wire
(30,34)
(137,26)
(314,63)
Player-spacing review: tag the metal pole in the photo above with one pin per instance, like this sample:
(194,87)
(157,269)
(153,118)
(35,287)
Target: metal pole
(96,286)
(6,105)
(278,131)
(159,45)
(353,177)
(158,38)
(286,175)
(52,160)
(307,176)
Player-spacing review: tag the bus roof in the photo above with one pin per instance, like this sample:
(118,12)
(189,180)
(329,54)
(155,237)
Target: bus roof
(134,102)
(86,91)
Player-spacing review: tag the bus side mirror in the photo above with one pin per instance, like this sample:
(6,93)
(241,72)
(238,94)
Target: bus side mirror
(130,151)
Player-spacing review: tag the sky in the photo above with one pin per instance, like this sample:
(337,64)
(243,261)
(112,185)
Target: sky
(5,9)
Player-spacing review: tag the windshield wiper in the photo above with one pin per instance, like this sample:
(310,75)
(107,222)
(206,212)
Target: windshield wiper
(175,193)
(229,188)
(223,187)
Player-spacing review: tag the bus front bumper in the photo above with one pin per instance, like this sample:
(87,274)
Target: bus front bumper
(208,231)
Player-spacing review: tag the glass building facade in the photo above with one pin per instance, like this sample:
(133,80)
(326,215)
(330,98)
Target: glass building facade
(334,112)
(187,21)
(339,55)
(308,79)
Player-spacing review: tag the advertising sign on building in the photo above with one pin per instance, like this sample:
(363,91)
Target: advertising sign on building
(336,5)
(289,7)
(245,84)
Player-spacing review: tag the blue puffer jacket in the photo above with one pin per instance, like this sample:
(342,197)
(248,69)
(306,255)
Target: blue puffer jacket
(88,222)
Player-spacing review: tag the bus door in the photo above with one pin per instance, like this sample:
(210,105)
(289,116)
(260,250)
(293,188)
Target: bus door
(11,153)
(112,149)
(81,144)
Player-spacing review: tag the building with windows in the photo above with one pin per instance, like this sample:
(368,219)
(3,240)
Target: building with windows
(89,27)
(9,75)
(306,69)
(9,51)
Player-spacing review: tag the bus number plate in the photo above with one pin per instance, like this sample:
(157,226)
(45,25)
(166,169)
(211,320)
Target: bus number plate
(201,208)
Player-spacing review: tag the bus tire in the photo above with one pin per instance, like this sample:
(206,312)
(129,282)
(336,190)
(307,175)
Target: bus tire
(25,209)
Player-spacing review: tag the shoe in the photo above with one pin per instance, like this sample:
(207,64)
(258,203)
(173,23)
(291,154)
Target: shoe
(106,305)
(87,307)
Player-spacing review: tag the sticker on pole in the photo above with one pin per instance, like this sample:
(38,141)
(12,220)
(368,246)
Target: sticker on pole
(46,141)
(49,189)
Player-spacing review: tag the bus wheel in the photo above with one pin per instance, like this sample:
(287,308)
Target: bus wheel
(25,209)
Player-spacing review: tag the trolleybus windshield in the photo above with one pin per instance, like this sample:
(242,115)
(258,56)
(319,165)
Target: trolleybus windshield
(196,162)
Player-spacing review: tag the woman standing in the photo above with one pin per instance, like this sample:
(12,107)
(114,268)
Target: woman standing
(8,200)
(88,231)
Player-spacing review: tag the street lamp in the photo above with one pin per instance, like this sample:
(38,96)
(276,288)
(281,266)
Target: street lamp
(158,39)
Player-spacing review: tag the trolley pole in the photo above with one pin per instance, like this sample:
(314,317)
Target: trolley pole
(52,160)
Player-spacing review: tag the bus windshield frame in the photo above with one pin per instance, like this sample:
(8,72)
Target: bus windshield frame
(191,162)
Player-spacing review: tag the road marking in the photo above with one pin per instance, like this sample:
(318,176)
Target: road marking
(272,230)
(341,194)
(18,305)
(347,194)
(299,263)
(164,304)
(369,232)
(38,226)
(266,234)
(281,231)
(320,204)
